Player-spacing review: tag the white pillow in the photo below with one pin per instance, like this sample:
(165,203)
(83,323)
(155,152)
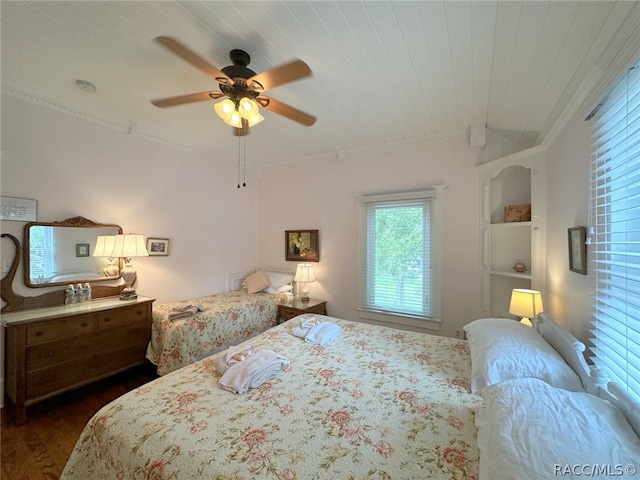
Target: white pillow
(502,349)
(278,280)
(529,429)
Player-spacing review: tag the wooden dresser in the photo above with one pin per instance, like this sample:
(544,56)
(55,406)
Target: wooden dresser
(55,349)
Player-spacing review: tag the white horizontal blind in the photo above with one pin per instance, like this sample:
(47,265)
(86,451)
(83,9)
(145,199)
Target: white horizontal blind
(41,252)
(395,253)
(615,247)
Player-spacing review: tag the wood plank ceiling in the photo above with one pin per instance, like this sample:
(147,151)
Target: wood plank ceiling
(384,72)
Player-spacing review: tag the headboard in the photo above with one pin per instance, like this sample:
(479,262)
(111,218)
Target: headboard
(568,347)
(235,279)
(594,380)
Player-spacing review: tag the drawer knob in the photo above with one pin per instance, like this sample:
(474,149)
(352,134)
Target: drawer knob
(107,319)
(39,333)
(85,324)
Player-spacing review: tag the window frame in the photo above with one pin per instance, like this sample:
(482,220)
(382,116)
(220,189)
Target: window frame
(380,316)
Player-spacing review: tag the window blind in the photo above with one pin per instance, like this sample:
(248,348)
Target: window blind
(395,253)
(615,243)
(41,252)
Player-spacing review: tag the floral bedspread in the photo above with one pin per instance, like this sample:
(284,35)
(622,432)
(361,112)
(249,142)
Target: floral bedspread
(377,403)
(227,318)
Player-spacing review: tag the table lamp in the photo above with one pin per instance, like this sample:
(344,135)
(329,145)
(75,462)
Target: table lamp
(525,304)
(304,275)
(128,246)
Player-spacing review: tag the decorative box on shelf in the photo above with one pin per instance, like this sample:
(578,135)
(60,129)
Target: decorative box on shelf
(517,213)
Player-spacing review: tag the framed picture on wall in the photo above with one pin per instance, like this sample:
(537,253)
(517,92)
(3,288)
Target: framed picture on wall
(82,249)
(157,246)
(302,245)
(578,250)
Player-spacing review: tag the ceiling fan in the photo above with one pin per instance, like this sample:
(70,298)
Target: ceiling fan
(243,88)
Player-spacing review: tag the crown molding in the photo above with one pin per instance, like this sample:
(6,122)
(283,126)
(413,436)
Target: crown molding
(344,154)
(134,129)
(127,127)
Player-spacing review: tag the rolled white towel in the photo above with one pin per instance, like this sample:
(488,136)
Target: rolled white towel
(306,322)
(185,311)
(322,333)
(253,371)
(309,321)
(234,354)
(300,332)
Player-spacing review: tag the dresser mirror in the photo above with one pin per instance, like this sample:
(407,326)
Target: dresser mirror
(61,253)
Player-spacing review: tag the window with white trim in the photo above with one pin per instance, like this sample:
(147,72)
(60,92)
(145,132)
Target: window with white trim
(615,243)
(399,238)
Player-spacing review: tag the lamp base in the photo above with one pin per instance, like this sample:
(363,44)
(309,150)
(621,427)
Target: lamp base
(128,294)
(304,299)
(526,321)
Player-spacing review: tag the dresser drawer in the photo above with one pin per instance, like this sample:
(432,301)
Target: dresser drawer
(82,347)
(288,313)
(321,309)
(63,328)
(74,374)
(122,316)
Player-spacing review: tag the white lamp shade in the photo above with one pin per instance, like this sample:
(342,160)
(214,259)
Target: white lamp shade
(104,246)
(525,303)
(129,245)
(304,273)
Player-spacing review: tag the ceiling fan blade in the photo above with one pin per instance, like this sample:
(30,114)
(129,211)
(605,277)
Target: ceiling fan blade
(182,99)
(280,75)
(188,56)
(285,110)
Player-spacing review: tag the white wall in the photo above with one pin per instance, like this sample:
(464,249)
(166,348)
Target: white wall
(568,296)
(77,167)
(321,196)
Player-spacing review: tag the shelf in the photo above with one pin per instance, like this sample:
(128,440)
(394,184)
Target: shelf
(510,225)
(504,244)
(524,276)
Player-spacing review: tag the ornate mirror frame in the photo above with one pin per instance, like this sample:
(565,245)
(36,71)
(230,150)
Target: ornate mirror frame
(73,246)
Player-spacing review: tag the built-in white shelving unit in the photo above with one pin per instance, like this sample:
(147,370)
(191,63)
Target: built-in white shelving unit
(512,180)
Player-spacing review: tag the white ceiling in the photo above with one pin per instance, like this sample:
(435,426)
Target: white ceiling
(383,71)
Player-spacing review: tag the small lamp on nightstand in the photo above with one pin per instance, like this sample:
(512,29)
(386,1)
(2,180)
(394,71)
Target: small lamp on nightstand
(127,246)
(525,304)
(304,275)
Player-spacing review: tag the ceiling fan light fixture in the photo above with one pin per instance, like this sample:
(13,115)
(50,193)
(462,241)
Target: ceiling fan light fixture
(256,119)
(235,120)
(225,109)
(248,108)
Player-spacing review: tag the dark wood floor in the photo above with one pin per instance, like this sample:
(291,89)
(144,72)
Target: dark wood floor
(39,449)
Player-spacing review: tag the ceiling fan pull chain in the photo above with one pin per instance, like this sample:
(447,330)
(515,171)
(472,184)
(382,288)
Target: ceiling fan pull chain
(244,167)
(239,139)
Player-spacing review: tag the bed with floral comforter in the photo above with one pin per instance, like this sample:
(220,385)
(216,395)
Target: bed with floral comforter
(227,318)
(377,403)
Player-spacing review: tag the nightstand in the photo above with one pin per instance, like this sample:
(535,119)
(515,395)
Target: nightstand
(297,307)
